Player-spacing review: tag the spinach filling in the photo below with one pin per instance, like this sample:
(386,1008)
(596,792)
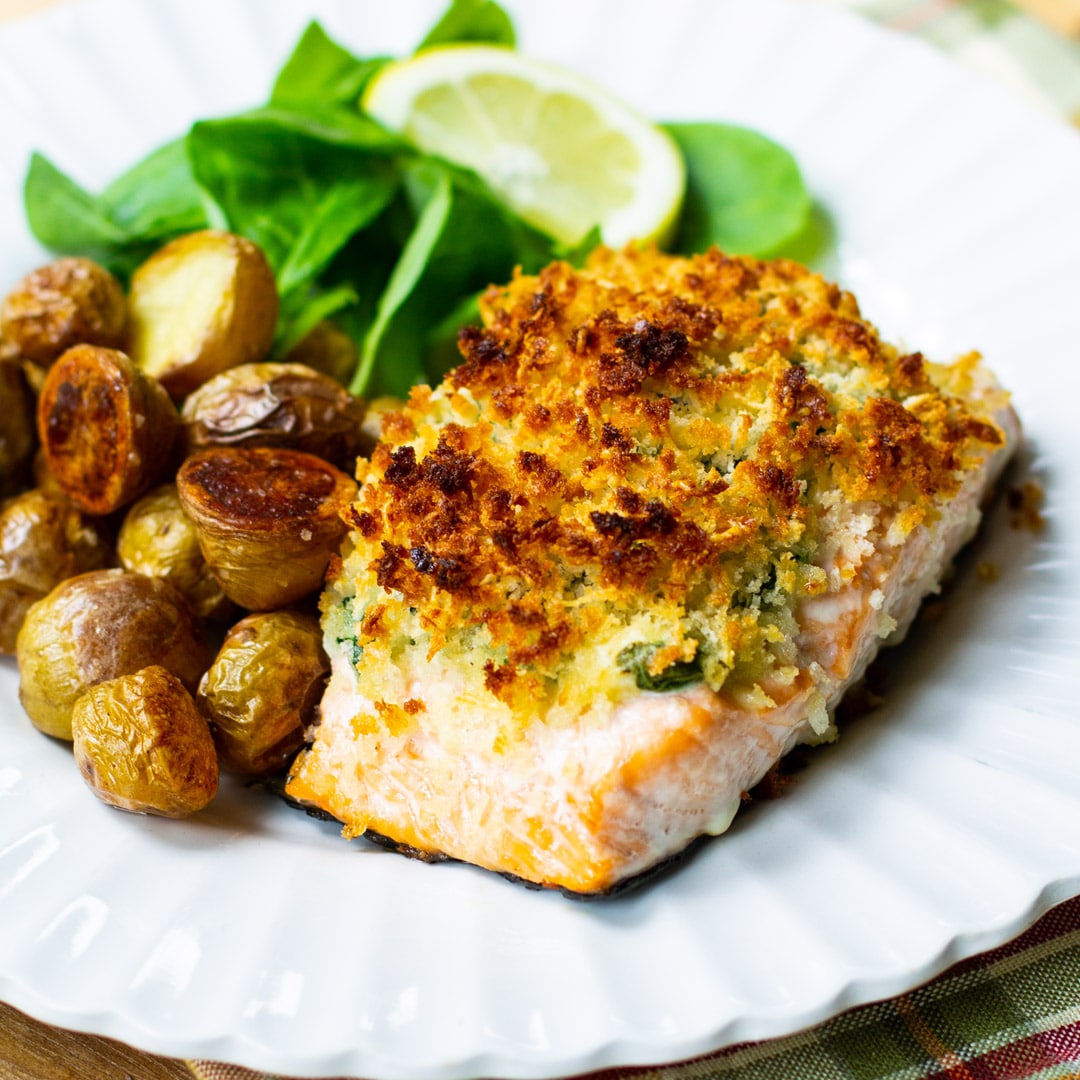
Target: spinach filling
(636,659)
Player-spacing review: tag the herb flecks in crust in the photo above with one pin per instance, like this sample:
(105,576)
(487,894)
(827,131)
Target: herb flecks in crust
(628,481)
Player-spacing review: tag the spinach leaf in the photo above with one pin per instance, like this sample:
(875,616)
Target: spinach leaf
(744,192)
(365,264)
(576,254)
(158,198)
(144,207)
(302,312)
(322,72)
(336,215)
(407,273)
(636,659)
(480,22)
(479,242)
(441,341)
(297,187)
(490,238)
(66,217)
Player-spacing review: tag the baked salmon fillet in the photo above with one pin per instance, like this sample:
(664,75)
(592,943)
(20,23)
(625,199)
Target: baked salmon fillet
(628,554)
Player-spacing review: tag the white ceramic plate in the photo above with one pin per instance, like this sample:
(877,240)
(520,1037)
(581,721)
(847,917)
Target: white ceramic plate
(939,826)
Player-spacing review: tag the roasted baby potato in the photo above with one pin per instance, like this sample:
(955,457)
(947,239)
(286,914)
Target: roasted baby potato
(327,348)
(260,692)
(274,404)
(158,539)
(202,304)
(268,520)
(107,429)
(141,745)
(98,626)
(44,539)
(17,437)
(42,478)
(72,301)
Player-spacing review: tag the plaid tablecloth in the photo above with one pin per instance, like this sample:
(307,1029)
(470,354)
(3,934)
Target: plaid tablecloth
(1012,1013)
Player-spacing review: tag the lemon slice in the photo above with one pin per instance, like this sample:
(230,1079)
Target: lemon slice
(563,153)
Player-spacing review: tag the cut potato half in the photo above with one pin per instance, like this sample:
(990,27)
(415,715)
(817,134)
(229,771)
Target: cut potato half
(202,304)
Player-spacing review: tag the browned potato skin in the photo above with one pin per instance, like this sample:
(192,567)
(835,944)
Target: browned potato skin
(71,301)
(275,404)
(17,436)
(98,626)
(261,691)
(327,348)
(179,340)
(107,429)
(44,539)
(142,745)
(268,520)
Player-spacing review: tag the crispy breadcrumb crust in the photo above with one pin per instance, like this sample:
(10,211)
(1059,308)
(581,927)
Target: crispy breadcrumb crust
(637,473)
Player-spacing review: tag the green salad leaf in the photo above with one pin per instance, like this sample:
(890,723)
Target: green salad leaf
(744,192)
(415,256)
(320,72)
(65,217)
(141,209)
(297,187)
(477,22)
(159,198)
(360,226)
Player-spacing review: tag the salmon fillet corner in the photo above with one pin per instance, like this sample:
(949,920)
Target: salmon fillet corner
(628,554)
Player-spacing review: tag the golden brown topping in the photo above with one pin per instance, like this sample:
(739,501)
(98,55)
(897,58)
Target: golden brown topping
(641,453)
(801,398)
(1025,503)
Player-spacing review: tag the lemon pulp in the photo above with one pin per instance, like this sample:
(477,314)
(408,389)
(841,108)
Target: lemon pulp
(562,152)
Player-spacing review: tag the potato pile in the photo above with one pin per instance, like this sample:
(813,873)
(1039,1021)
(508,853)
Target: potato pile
(167,486)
